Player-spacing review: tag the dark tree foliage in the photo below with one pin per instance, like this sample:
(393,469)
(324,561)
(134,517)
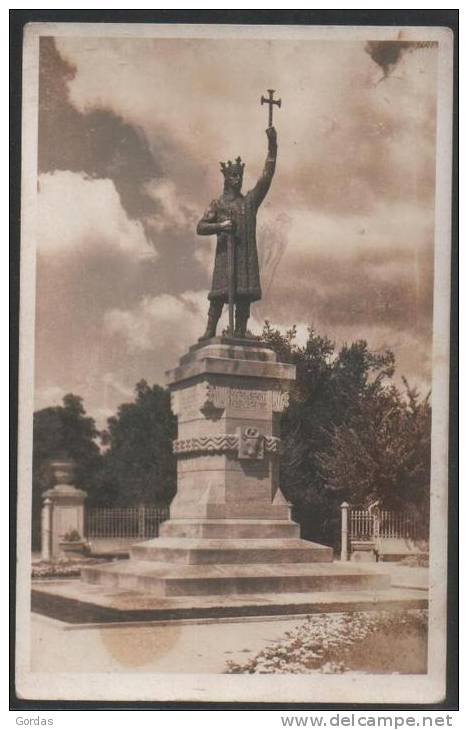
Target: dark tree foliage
(349,433)
(62,432)
(138,466)
(383,452)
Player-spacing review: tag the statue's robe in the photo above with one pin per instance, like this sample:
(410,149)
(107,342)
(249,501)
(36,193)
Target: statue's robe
(243,211)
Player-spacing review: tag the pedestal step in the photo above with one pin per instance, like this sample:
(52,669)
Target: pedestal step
(230,510)
(165,579)
(229,528)
(204,551)
(77,603)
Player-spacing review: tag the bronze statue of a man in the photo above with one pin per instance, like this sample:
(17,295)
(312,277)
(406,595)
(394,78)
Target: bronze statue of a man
(235,215)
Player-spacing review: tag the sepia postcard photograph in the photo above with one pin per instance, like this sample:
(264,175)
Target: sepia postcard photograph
(234,363)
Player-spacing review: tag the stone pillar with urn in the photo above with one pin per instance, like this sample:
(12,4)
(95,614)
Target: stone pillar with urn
(62,514)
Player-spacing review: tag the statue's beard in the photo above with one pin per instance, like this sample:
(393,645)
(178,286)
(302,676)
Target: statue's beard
(228,188)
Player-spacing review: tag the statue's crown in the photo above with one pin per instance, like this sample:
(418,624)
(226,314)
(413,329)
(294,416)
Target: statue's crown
(236,167)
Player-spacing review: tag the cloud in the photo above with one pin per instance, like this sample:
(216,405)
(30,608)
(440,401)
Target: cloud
(356,269)
(387,54)
(342,152)
(98,143)
(175,213)
(111,381)
(345,140)
(356,276)
(154,178)
(75,212)
(131,132)
(47,396)
(173,322)
(205,253)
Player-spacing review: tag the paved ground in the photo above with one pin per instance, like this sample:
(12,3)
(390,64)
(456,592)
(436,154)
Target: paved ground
(192,648)
(197,647)
(403,576)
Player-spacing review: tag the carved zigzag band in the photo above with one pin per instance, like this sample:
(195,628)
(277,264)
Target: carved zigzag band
(219,444)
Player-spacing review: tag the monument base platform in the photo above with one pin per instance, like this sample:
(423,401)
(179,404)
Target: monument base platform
(230,547)
(74,602)
(171,579)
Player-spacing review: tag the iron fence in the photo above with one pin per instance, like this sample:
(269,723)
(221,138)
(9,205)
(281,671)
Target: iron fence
(125,522)
(366,524)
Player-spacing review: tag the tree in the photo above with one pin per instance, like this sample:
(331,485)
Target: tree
(62,432)
(348,432)
(138,466)
(383,453)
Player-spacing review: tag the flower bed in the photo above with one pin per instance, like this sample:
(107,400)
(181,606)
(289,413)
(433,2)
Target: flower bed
(63,567)
(373,641)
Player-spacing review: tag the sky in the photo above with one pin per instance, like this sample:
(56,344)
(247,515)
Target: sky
(130,135)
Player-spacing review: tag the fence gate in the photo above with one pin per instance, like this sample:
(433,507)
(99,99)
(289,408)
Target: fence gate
(364,529)
(125,522)
(368,525)
(362,525)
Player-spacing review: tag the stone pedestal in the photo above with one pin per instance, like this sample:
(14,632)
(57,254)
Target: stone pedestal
(363,551)
(230,531)
(228,396)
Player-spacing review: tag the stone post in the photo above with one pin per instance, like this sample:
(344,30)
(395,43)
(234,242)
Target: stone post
(376,524)
(141,521)
(66,510)
(344,530)
(46,529)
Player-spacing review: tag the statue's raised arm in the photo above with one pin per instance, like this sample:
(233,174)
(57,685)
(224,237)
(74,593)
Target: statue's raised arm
(260,190)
